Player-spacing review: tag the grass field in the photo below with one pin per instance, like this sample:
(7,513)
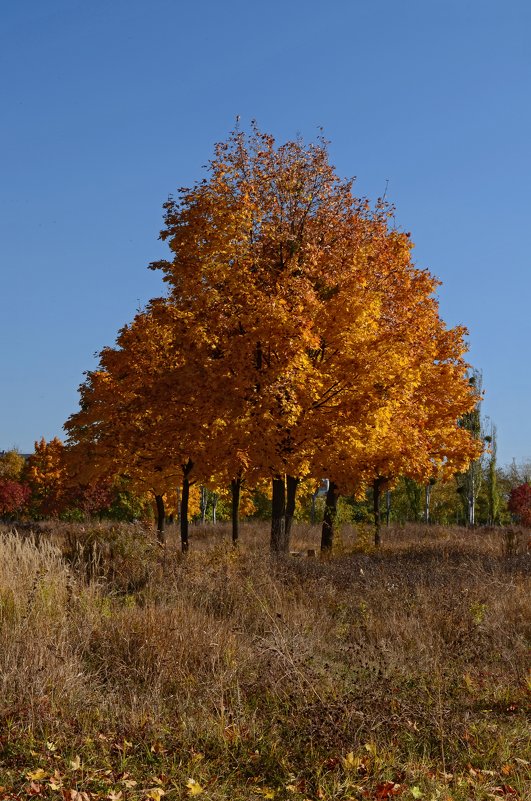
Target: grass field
(130,674)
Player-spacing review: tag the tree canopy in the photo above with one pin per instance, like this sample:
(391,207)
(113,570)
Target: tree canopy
(297,339)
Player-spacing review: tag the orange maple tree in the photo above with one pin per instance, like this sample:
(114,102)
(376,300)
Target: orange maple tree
(45,473)
(119,429)
(297,340)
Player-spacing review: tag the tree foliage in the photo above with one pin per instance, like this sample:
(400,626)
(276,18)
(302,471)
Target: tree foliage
(45,473)
(520,503)
(11,464)
(14,495)
(298,339)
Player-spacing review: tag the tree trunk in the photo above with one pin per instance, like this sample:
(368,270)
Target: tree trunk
(377,493)
(472,503)
(387,508)
(329,519)
(427,499)
(161,517)
(185,497)
(215,498)
(291,493)
(236,485)
(203,503)
(279,543)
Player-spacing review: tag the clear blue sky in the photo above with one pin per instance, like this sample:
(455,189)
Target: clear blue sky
(109,105)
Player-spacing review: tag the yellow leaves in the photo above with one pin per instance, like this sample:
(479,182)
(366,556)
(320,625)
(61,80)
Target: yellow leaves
(36,775)
(55,782)
(351,762)
(155,793)
(75,763)
(194,788)
(11,465)
(46,473)
(266,792)
(370,748)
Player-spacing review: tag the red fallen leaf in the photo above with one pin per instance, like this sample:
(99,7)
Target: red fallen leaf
(387,790)
(35,788)
(331,763)
(505,789)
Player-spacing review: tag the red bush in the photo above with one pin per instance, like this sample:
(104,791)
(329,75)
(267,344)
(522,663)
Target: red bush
(13,496)
(520,503)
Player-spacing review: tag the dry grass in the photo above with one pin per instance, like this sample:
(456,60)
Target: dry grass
(403,672)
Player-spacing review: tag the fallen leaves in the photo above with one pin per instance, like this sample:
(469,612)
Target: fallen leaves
(385,790)
(155,793)
(194,788)
(36,775)
(75,763)
(506,789)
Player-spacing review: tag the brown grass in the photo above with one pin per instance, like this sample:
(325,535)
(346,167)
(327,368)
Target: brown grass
(309,678)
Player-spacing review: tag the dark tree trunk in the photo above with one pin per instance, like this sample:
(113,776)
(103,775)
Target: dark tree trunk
(279,544)
(329,519)
(291,493)
(185,497)
(377,494)
(236,485)
(161,518)
(387,508)
(203,503)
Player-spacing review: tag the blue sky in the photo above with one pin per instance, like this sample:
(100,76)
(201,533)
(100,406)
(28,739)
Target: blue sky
(110,106)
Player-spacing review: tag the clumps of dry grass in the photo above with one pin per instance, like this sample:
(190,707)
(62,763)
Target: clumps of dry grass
(277,669)
(40,663)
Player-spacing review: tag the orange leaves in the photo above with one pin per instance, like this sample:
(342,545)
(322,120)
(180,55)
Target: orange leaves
(386,790)
(45,473)
(298,336)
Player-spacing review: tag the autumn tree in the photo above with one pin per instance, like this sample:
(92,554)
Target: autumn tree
(14,493)
(12,464)
(148,413)
(14,496)
(520,503)
(45,473)
(93,498)
(127,422)
(406,422)
(297,339)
